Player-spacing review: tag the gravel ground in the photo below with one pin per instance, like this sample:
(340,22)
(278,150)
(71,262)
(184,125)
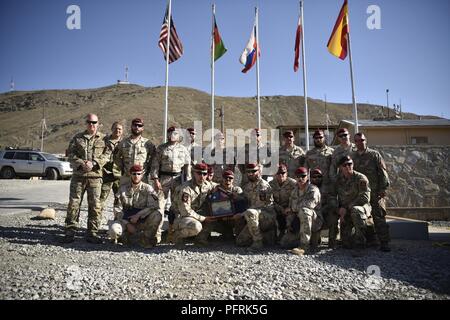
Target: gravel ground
(35,265)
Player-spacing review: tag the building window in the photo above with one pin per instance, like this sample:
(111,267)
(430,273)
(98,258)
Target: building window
(419,140)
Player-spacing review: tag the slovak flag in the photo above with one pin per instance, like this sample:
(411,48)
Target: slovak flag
(248,57)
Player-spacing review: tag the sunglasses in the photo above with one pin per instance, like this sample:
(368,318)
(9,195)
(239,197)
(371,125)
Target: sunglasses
(360,140)
(228,178)
(91,122)
(343,135)
(318,138)
(201,173)
(301,177)
(136,173)
(281,173)
(348,164)
(138,125)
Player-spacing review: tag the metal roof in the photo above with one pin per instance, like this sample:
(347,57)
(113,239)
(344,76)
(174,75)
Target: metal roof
(401,123)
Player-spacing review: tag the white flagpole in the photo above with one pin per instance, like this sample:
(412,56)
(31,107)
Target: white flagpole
(257,70)
(166,109)
(212,75)
(304,77)
(355,108)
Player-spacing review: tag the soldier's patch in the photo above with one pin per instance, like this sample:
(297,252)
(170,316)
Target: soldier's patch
(363,184)
(185,197)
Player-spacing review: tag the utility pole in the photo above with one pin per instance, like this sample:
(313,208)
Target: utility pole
(387,101)
(43,127)
(222,119)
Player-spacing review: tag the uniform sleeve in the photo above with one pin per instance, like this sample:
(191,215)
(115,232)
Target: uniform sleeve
(332,173)
(312,199)
(74,160)
(152,202)
(104,155)
(118,157)
(184,207)
(382,173)
(151,151)
(156,161)
(118,207)
(363,196)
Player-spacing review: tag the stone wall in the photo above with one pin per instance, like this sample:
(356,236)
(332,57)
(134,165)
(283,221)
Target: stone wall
(420,175)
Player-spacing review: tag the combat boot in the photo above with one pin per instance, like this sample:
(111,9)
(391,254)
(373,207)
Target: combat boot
(93,238)
(178,241)
(69,237)
(147,243)
(385,247)
(170,234)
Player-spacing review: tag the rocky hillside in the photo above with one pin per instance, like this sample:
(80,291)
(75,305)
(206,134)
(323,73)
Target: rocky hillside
(21,112)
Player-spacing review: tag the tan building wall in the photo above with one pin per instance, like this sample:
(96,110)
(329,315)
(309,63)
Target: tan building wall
(398,136)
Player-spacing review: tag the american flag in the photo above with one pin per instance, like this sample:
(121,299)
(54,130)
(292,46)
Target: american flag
(175,46)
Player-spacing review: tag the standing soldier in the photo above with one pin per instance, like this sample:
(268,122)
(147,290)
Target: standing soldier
(261,216)
(218,168)
(282,187)
(189,201)
(170,168)
(345,148)
(87,156)
(134,149)
(320,157)
(290,154)
(328,207)
(137,210)
(194,148)
(370,163)
(353,205)
(111,173)
(304,204)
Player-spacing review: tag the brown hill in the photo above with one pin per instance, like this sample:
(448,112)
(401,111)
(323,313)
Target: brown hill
(21,112)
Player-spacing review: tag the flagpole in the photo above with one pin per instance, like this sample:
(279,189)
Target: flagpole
(355,109)
(166,109)
(212,76)
(258,125)
(304,78)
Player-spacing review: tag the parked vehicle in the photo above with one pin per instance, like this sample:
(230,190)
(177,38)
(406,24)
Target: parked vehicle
(32,163)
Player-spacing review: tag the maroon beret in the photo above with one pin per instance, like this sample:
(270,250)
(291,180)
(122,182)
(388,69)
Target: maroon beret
(136,168)
(288,133)
(316,171)
(342,130)
(282,169)
(318,133)
(302,171)
(201,167)
(228,173)
(252,167)
(137,120)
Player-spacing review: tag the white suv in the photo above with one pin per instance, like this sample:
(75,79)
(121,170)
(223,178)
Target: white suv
(32,163)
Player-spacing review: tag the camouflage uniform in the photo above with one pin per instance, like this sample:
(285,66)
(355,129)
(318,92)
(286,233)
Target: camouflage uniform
(371,164)
(194,148)
(292,158)
(143,197)
(219,168)
(84,147)
(306,206)
(260,217)
(320,158)
(111,173)
(189,203)
(261,158)
(128,154)
(354,195)
(328,211)
(281,196)
(338,153)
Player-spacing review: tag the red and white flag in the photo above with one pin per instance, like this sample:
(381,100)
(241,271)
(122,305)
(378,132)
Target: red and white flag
(175,46)
(298,41)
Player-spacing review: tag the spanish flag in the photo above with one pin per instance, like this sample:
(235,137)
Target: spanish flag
(337,45)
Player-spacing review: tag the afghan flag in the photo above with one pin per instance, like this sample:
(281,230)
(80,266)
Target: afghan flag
(337,45)
(219,47)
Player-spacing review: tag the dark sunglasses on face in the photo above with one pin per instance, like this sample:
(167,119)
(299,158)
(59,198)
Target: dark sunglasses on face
(360,140)
(343,135)
(301,177)
(138,125)
(318,138)
(91,122)
(201,173)
(136,173)
(348,164)
(229,178)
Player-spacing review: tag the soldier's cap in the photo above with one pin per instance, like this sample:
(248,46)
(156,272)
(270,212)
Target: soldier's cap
(137,121)
(228,173)
(360,135)
(282,169)
(210,169)
(252,167)
(201,167)
(301,172)
(191,130)
(345,160)
(318,133)
(136,168)
(342,131)
(316,172)
(288,134)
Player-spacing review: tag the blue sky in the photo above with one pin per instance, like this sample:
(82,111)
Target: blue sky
(409,55)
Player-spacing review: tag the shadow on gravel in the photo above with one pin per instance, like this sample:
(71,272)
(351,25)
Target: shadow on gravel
(413,262)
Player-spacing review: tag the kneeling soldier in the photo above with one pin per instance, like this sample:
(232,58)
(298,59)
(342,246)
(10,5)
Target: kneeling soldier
(354,205)
(138,209)
(190,200)
(305,204)
(261,216)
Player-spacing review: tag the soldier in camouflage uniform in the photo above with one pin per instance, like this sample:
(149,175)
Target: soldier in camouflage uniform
(320,158)
(138,210)
(170,168)
(190,206)
(370,163)
(304,203)
(345,148)
(328,207)
(353,205)
(260,217)
(111,173)
(219,166)
(87,155)
(290,154)
(282,187)
(134,149)
(194,147)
